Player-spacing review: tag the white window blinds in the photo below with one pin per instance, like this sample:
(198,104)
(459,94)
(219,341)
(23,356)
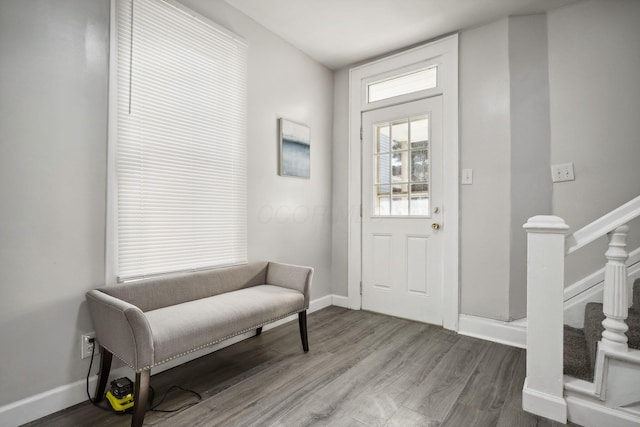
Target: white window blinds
(180,161)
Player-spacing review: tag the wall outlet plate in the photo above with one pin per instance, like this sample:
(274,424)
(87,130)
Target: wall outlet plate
(562,172)
(87,347)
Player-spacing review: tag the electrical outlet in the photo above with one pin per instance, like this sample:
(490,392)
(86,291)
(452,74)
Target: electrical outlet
(563,172)
(88,344)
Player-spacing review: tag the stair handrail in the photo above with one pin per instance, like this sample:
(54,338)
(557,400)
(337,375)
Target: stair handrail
(603,225)
(547,247)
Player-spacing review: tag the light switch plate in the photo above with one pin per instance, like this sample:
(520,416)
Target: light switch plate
(562,172)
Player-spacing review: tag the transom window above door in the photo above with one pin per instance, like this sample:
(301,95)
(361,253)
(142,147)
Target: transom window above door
(401,167)
(403,84)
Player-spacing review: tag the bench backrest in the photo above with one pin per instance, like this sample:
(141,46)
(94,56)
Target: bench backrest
(156,293)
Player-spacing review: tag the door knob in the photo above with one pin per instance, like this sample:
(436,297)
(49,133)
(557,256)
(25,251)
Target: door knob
(435,226)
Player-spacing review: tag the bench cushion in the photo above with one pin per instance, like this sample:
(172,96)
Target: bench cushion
(161,292)
(186,327)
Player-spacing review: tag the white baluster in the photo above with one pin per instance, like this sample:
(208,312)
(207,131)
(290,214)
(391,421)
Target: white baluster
(615,303)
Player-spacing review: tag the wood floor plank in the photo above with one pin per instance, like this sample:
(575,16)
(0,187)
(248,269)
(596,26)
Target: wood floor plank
(333,401)
(235,405)
(363,369)
(295,397)
(383,397)
(438,393)
(407,418)
(482,399)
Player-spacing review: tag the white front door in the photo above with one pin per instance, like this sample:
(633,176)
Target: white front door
(402,229)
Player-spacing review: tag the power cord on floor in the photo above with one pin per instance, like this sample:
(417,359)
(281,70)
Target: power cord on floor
(153,407)
(96,404)
(166,393)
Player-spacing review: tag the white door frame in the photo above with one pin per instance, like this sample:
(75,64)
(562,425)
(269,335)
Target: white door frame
(444,53)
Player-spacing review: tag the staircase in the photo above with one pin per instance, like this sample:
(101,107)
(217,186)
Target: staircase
(588,376)
(581,345)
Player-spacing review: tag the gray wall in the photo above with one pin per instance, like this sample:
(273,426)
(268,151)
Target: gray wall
(485,206)
(53,128)
(512,128)
(340,173)
(504,138)
(530,141)
(53,136)
(594,76)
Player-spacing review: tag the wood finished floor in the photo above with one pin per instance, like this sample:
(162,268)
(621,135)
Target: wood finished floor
(363,369)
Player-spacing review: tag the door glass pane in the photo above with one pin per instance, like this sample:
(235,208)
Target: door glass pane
(382,190)
(399,167)
(383,138)
(399,205)
(419,205)
(400,135)
(382,164)
(382,205)
(399,188)
(419,132)
(420,188)
(419,165)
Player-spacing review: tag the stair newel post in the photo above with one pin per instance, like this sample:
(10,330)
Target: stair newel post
(543,391)
(615,301)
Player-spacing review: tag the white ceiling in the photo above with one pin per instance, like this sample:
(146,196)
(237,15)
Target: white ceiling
(337,33)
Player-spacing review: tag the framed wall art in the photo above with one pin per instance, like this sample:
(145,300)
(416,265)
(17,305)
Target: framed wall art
(295,149)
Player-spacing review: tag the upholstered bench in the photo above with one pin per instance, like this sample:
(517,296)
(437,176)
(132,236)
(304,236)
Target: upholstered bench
(150,322)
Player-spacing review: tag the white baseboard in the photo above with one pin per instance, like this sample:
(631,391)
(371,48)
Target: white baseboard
(509,333)
(590,413)
(340,301)
(59,398)
(546,405)
(43,404)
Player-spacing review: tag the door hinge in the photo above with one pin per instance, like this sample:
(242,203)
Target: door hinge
(361,211)
(361,287)
(360,133)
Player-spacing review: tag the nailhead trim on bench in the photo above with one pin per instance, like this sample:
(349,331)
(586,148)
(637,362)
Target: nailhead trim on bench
(209,344)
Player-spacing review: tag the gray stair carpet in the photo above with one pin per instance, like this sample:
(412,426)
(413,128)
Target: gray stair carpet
(580,345)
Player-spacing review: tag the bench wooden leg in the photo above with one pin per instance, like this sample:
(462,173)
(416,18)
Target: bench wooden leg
(259,331)
(302,320)
(141,397)
(105,368)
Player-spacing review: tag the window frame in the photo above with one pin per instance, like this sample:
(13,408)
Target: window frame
(384,75)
